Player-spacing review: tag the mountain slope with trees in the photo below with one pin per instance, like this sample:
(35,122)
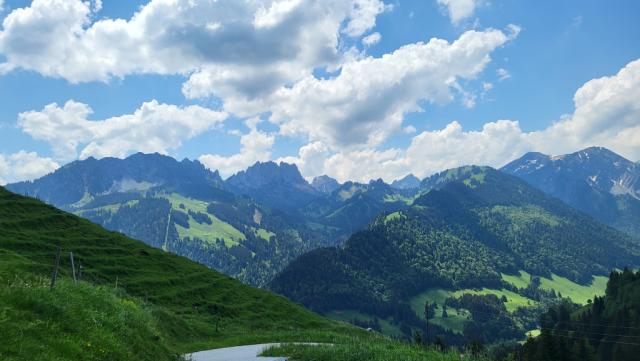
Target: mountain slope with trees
(607,329)
(474,226)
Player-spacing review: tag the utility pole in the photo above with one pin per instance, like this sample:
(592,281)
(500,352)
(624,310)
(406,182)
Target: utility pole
(426,322)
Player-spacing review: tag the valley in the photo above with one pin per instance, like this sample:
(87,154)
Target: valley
(313,180)
(482,251)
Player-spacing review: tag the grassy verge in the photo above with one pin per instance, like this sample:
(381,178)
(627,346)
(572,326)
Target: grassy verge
(76,322)
(370,348)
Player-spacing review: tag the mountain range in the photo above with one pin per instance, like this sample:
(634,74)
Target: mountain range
(472,238)
(249,226)
(595,180)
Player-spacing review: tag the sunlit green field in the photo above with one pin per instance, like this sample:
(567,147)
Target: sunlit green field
(218,229)
(387,327)
(576,292)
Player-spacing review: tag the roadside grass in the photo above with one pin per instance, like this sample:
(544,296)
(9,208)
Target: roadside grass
(76,322)
(372,348)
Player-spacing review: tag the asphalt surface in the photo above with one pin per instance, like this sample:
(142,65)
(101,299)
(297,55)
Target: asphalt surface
(239,353)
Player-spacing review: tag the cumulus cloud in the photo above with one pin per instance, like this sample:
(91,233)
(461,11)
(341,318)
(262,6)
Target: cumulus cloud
(24,165)
(363,16)
(154,127)
(606,114)
(459,10)
(367,101)
(254,146)
(371,39)
(311,158)
(409,129)
(226,47)
(257,57)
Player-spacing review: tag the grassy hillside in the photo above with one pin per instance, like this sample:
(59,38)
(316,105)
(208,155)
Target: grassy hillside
(191,306)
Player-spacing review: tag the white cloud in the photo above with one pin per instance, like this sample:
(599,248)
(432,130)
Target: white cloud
(429,152)
(371,39)
(487,86)
(367,101)
(606,113)
(255,146)
(257,57)
(503,74)
(409,129)
(227,47)
(459,10)
(24,165)
(363,16)
(154,127)
(311,158)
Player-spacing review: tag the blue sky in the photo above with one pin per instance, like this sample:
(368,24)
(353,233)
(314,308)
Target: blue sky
(529,69)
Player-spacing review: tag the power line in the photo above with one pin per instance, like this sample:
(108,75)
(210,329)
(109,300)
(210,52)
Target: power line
(589,332)
(596,340)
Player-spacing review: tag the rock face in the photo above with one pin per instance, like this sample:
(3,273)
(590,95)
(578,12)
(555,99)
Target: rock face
(279,186)
(325,184)
(408,182)
(595,180)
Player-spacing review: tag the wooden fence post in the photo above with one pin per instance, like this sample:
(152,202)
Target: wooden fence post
(73,268)
(54,274)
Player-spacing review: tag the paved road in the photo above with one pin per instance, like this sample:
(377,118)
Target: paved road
(239,353)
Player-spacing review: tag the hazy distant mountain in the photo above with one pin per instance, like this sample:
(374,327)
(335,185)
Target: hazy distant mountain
(325,184)
(472,232)
(278,186)
(80,182)
(595,180)
(353,205)
(408,182)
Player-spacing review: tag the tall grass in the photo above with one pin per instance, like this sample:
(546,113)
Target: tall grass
(365,349)
(75,322)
